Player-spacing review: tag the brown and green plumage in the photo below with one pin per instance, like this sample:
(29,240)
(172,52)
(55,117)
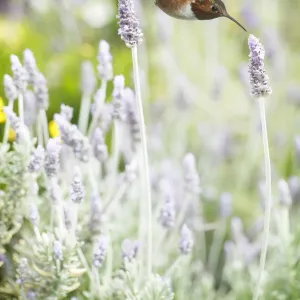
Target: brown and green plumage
(195,9)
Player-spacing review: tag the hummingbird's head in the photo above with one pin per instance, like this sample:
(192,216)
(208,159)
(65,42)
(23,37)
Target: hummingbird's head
(211,9)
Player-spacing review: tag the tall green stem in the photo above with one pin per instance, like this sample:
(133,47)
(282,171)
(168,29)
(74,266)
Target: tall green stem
(267,217)
(21,107)
(84,113)
(7,125)
(99,106)
(145,162)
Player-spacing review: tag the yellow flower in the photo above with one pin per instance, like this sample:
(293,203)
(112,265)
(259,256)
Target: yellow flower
(1,103)
(2,117)
(11,135)
(2,114)
(53,129)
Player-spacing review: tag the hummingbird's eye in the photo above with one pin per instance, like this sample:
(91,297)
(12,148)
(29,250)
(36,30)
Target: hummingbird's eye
(214,9)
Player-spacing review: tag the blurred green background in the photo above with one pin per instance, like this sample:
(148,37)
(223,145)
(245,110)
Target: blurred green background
(184,64)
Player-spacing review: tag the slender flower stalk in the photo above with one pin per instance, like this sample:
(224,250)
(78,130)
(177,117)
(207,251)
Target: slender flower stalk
(220,232)
(118,116)
(132,35)
(20,76)
(11,94)
(105,73)
(260,89)
(88,84)
(283,214)
(42,99)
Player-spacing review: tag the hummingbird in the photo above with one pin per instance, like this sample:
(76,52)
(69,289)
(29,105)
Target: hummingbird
(195,9)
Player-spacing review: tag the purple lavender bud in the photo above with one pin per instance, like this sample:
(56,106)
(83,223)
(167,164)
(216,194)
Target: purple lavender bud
(104,57)
(132,117)
(284,196)
(258,78)
(30,65)
(72,137)
(88,79)
(20,75)
(191,176)
(225,205)
(66,112)
(186,241)
(34,216)
(22,132)
(57,250)
(99,146)
(41,91)
(129,249)
(77,190)
(30,108)
(119,108)
(167,213)
(100,251)
(129,29)
(37,160)
(52,157)
(10,89)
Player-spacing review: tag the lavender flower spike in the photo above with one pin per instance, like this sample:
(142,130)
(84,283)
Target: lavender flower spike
(132,117)
(10,89)
(186,242)
(72,137)
(191,176)
(259,80)
(22,132)
(167,213)
(37,160)
(20,74)
(129,249)
(66,112)
(284,197)
(104,57)
(30,107)
(119,108)
(30,65)
(52,157)
(41,91)
(77,190)
(129,29)
(100,251)
(57,250)
(34,215)
(99,146)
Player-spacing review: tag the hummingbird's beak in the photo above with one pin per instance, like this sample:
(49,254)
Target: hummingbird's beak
(235,21)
